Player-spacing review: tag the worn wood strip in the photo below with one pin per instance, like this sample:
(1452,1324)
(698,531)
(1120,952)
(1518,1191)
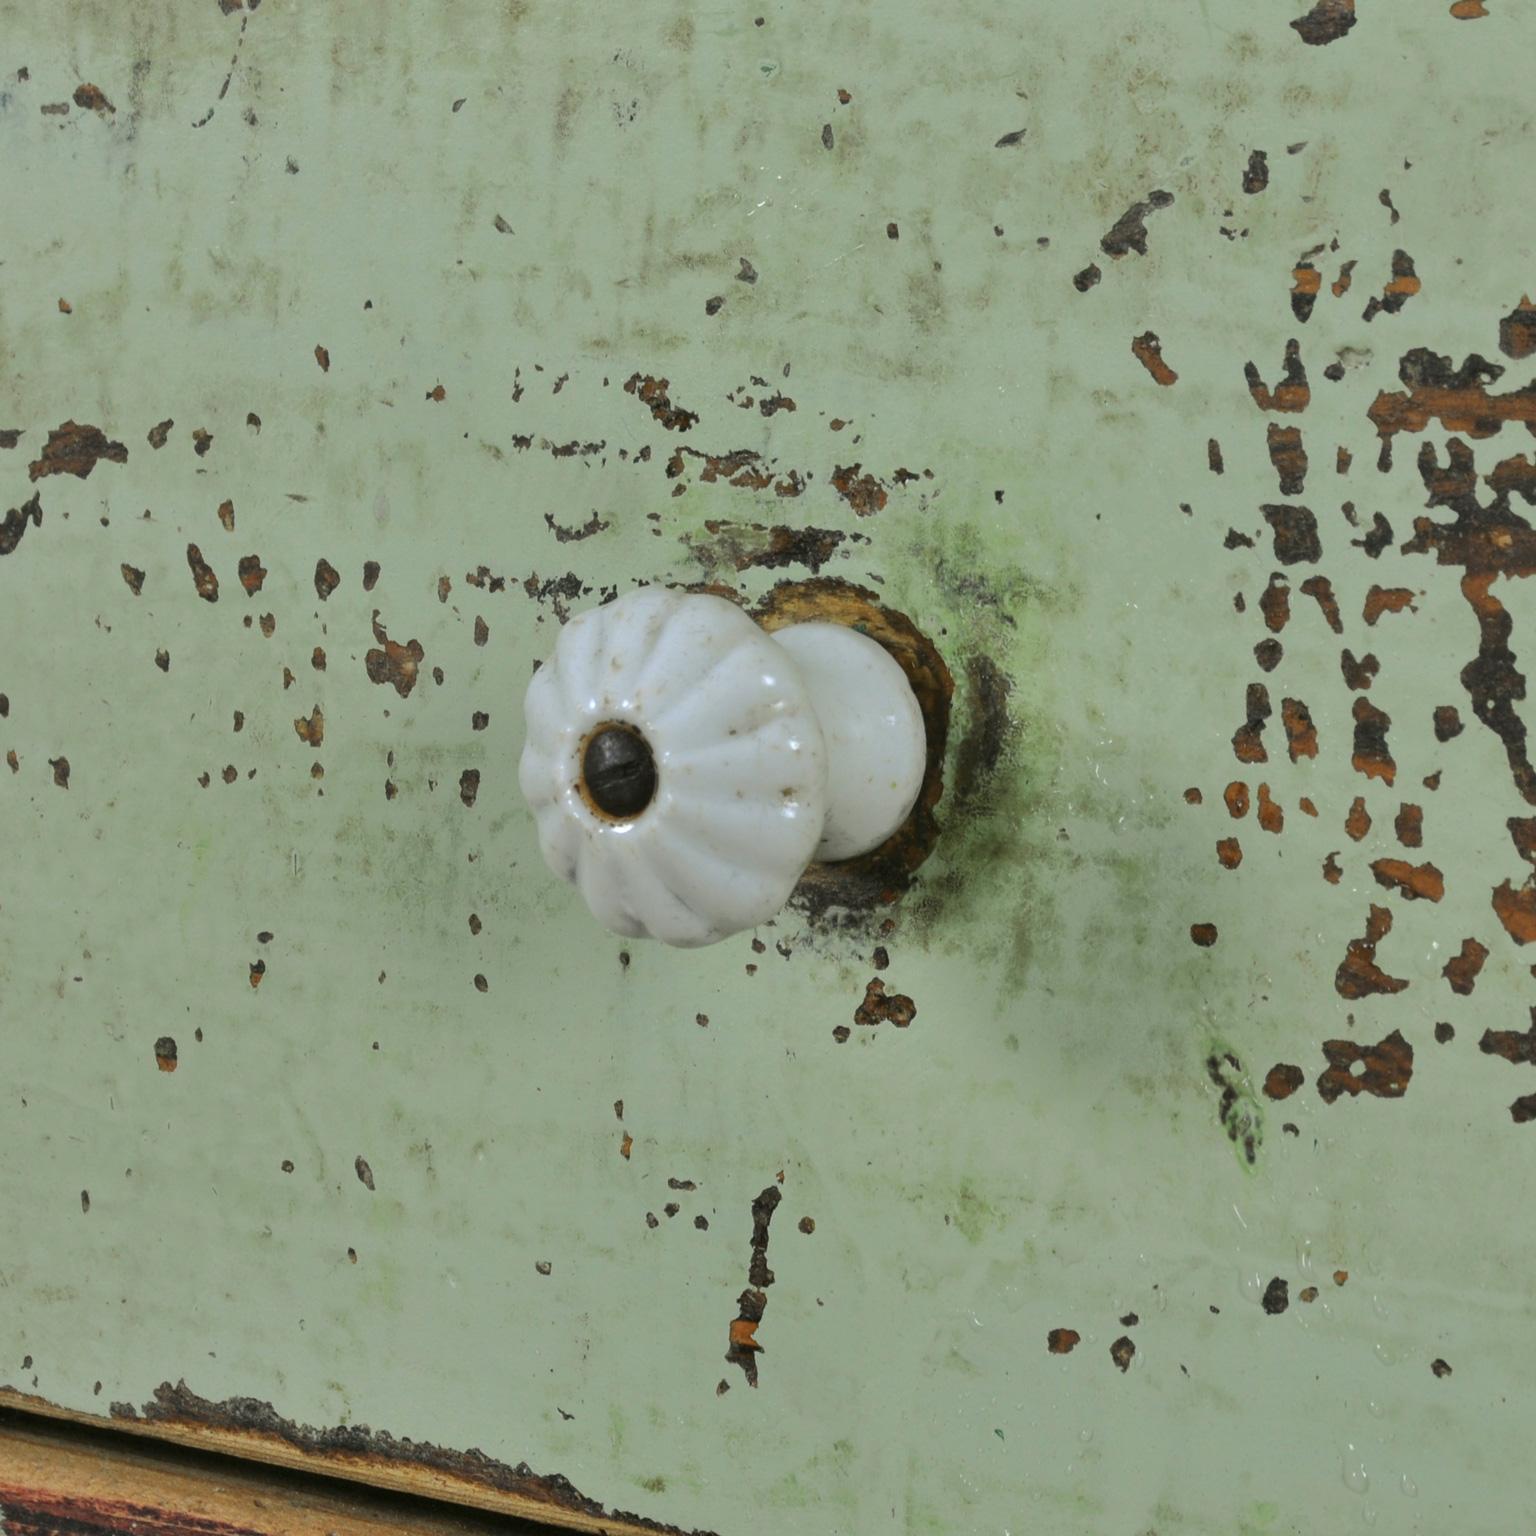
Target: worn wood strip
(128,1458)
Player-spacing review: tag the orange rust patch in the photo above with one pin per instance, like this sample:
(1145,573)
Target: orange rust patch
(1271,817)
(1148,351)
(395,664)
(1192,796)
(1358,974)
(1468,10)
(1358,822)
(1401,286)
(1517,330)
(652,392)
(203,575)
(1341,284)
(1340,1276)
(864,493)
(1236,796)
(1388,1068)
(1062,1341)
(75,449)
(252,574)
(1409,825)
(1380,600)
(877,1008)
(165,1053)
(1413,880)
(1331,871)
(1320,589)
(1516,910)
(312,730)
(1247,745)
(1282,1080)
(1300,732)
(1306,807)
(437,392)
(1275,603)
(626,1146)
(1230,852)
(1292,394)
(1461,970)
(1456,397)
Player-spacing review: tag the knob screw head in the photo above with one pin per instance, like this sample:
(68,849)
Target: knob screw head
(618,771)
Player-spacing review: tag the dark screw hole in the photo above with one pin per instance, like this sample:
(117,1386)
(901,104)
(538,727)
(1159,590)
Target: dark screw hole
(618,770)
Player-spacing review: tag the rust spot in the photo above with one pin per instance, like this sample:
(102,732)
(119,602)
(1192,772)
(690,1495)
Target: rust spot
(1358,974)
(1387,1068)
(202,441)
(1523,1110)
(469,785)
(1326,22)
(1226,1073)
(258,969)
(227,515)
(437,393)
(165,1053)
(1062,1341)
(1268,653)
(1409,825)
(1256,175)
(807,1225)
(652,392)
(76,449)
(323,357)
(1292,394)
(1213,457)
(1372,756)
(593,525)
(745,546)
(1236,797)
(1516,910)
(395,664)
(1342,459)
(317,658)
(1331,871)
(1295,530)
(1358,674)
(1277,1296)
(1122,1352)
(743,1346)
(1401,287)
(1300,732)
(482,631)
(268,624)
(16,520)
(1457,397)
(158,433)
(1461,970)
(864,493)
(1308,1294)
(1247,742)
(1376,539)
(1271,817)
(1517,330)
(1306,281)
(92,98)
(1203,934)
(1282,1081)
(1341,284)
(163,660)
(1380,600)
(877,1008)
(1320,589)
(1412,880)
(364,1172)
(371,575)
(1148,351)
(327,579)
(252,574)
(626,1146)
(1275,603)
(1129,232)
(1229,852)
(1444,1033)
(1440,1368)
(1288,455)
(311,731)
(1340,1276)
(1088,278)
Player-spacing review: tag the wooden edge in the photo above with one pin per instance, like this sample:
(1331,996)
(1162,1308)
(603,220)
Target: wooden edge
(421,1482)
(56,1476)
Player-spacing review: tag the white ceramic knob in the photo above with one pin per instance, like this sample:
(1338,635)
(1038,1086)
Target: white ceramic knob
(684,767)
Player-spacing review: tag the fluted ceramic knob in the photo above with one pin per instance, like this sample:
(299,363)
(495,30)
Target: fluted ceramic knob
(684,767)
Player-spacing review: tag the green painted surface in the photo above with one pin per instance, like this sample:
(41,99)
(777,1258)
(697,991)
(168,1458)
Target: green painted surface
(1042,1148)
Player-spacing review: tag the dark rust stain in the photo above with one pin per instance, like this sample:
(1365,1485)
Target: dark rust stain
(1122,1352)
(1377,537)
(91,98)
(203,575)
(1516,910)
(158,433)
(165,1053)
(1448,724)
(1372,756)
(1320,589)
(743,1347)
(1440,1368)
(370,575)
(1203,934)
(1457,397)
(76,449)
(1062,1341)
(1088,278)
(1387,1069)
(327,579)
(1229,852)
(1268,653)
(1408,824)
(60,766)
(364,1172)
(1247,742)
(1282,1080)
(10,436)
(202,441)
(1444,1033)
(652,392)
(311,730)
(1380,600)
(1129,232)
(1288,455)
(1412,880)
(469,785)
(1293,394)
(395,664)
(1295,531)
(134,577)
(1326,22)
(864,493)
(1358,974)
(1306,282)
(1277,1296)
(1332,873)
(1300,732)
(1358,674)
(1256,174)
(1147,349)
(593,525)
(1213,457)
(1462,969)
(17,520)
(1232,1110)
(878,1008)
(747,546)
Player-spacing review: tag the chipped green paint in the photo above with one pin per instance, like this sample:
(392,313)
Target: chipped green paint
(386,287)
